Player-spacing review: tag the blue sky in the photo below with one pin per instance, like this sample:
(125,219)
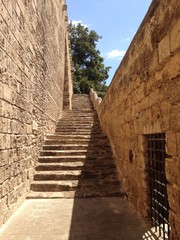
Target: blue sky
(116,21)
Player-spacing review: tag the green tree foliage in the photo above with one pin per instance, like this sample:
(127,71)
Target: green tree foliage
(88,67)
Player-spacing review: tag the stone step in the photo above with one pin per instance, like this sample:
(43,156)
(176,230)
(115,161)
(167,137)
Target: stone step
(57,175)
(62,132)
(76,194)
(109,173)
(91,120)
(103,142)
(76,129)
(79,114)
(90,153)
(73,132)
(91,132)
(82,111)
(54,186)
(66,141)
(88,146)
(77,137)
(76,123)
(86,107)
(79,117)
(71,185)
(69,136)
(66,147)
(63,152)
(77,105)
(81,103)
(79,129)
(58,159)
(77,126)
(83,117)
(81,100)
(85,159)
(78,165)
(60,166)
(50,195)
(77,96)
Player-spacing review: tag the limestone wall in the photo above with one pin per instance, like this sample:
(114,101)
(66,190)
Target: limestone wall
(33,53)
(144,98)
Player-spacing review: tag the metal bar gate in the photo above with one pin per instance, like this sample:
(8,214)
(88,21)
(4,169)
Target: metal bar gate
(155,149)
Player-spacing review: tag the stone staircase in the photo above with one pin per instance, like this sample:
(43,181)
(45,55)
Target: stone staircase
(76,161)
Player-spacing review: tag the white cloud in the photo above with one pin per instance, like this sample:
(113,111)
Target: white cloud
(128,39)
(76,22)
(116,54)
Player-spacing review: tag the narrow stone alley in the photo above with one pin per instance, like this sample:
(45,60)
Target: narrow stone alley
(79,167)
(76,194)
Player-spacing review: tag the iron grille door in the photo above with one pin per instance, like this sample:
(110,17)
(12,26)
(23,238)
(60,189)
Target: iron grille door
(156,155)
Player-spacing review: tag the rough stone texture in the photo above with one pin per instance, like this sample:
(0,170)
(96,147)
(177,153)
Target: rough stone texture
(144,98)
(34,54)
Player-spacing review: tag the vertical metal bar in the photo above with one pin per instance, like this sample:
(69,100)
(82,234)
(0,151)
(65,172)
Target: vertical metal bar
(150,176)
(162,159)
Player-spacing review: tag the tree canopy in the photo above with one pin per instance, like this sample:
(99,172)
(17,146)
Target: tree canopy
(88,64)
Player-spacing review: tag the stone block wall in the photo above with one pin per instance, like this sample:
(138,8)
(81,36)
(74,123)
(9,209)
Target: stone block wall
(144,98)
(33,56)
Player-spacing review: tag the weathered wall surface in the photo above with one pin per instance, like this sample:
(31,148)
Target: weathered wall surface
(144,98)
(33,52)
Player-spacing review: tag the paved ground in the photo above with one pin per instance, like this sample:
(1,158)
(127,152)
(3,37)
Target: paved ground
(74,219)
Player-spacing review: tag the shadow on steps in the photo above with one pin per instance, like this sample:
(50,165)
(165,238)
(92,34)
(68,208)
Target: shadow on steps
(98,174)
(77,162)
